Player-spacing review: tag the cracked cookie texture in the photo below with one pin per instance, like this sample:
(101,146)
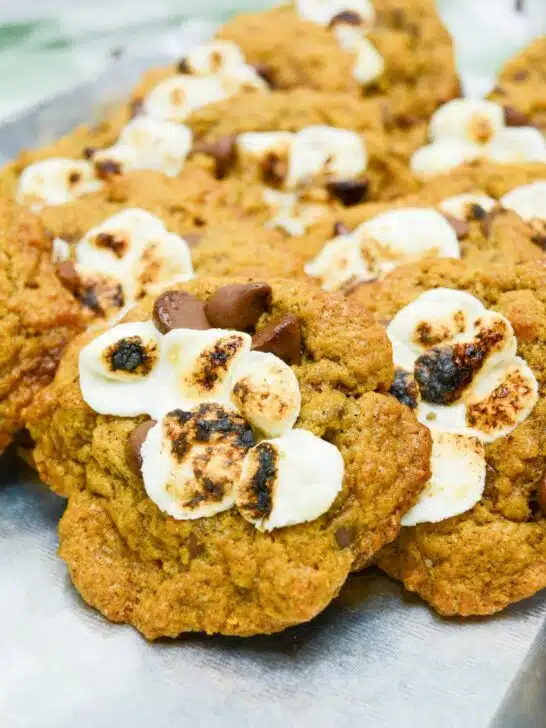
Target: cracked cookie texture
(494,554)
(220,574)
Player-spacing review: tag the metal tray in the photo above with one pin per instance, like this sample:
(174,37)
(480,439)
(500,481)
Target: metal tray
(377,655)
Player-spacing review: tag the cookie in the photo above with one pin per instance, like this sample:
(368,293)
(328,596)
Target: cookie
(464,130)
(274,482)
(469,344)
(37,315)
(520,86)
(481,212)
(401,56)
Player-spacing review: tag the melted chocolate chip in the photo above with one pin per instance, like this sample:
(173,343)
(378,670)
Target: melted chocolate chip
(405,388)
(487,221)
(265,73)
(344,536)
(88,296)
(68,275)
(347,17)
(459,226)
(444,372)
(179,310)
(107,168)
(281,337)
(349,192)
(134,444)
(88,152)
(223,151)
(514,117)
(476,212)
(340,228)
(238,305)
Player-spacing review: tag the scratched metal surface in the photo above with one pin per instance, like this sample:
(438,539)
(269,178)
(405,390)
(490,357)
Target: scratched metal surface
(376,656)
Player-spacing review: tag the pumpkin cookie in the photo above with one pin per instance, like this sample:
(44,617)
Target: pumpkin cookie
(223,454)
(397,53)
(469,345)
(520,86)
(484,213)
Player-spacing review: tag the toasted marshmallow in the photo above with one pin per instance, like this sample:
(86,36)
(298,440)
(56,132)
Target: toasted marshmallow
(290,213)
(177,97)
(215,56)
(260,146)
(134,250)
(322,12)
(528,201)
(56,181)
(464,359)
(324,150)
(341,262)
(369,64)
(266,392)
(146,143)
(191,460)
(441,156)
(203,363)
(291,479)
(518,144)
(119,370)
(461,206)
(457,482)
(470,120)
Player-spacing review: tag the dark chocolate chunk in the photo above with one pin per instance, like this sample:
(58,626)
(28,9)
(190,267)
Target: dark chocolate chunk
(347,17)
(238,305)
(223,150)
(179,310)
(349,192)
(344,536)
(134,444)
(281,337)
(68,275)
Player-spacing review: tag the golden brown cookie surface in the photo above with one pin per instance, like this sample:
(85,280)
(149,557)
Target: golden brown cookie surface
(520,86)
(495,553)
(220,574)
(419,72)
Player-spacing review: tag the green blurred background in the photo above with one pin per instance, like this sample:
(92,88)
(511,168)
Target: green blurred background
(48,46)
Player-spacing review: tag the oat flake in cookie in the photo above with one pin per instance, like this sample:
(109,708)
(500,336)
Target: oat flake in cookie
(473,341)
(231,483)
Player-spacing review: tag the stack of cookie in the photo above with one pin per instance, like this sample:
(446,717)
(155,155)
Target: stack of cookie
(282,315)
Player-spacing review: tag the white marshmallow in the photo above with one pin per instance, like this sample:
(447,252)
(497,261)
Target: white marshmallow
(60,251)
(299,477)
(518,144)
(203,363)
(322,11)
(369,64)
(215,56)
(266,392)
(457,481)
(458,205)
(441,156)
(142,257)
(339,262)
(469,120)
(528,201)
(146,143)
(177,97)
(199,481)
(56,181)
(120,370)
(336,153)
(260,144)
(289,213)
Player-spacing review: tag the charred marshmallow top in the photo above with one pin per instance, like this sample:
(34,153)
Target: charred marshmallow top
(125,258)
(457,367)
(467,129)
(380,244)
(155,140)
(214,71)
(349,21)
(215,402)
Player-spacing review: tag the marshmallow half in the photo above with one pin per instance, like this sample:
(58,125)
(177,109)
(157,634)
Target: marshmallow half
(528,201)
(56,181)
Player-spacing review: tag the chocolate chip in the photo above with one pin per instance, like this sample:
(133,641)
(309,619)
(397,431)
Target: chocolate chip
(274,169)
(476,212)
(541,494)
(192,239)
(340,228)
(134,443)
(349,192)
(179,310)
(195,547)
(68,275)
(107,168)
(238,305)
(487,221)
(222,150)
(348,17)
(281,337)
(88,152)
(265,73)
(514,117)
(183,66)
(459,226)
(344,536)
